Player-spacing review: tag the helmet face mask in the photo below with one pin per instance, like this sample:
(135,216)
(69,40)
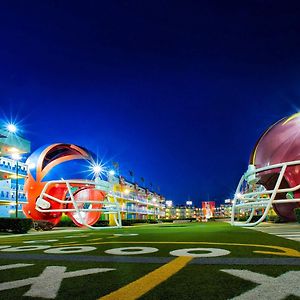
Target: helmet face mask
(273,175)
(61,182)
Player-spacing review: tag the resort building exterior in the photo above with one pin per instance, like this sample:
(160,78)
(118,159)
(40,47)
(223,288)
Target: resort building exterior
(12,173)
(135,202)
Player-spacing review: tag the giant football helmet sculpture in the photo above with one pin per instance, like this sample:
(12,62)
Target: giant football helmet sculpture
(61,180)
(273,175)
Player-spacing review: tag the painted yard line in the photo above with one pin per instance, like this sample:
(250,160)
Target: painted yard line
(284,250)
(60,231)
(14,266)
(138,288)
(274,228)
(283,232)
(296,235)
(294,239)
(291,261)
(277,228)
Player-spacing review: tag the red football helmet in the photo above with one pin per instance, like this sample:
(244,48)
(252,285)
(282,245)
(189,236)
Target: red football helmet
(273,176)
(61,180)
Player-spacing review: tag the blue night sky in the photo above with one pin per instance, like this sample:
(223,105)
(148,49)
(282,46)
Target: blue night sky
(177,91)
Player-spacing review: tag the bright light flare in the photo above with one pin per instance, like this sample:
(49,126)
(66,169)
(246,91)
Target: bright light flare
(97,169)
(127,191)
(239,196)
(111,172)
(11,128)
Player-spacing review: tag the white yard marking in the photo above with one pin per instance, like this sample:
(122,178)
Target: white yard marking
(66,250)
(291,232)
(131,250)
(269,287)
(39,241)
(47,284)
(26,248)
(14,266)
(4,247)
(76,236)
(213,252)
(125,234)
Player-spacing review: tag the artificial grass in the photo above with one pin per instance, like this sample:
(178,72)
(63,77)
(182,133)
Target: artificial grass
(191,282)
(208,282)
(163,237)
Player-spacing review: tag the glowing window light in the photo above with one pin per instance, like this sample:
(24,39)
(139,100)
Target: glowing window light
(16,156)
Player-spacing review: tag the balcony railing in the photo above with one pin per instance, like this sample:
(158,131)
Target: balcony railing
(10,166)
(138,199)
(11,196)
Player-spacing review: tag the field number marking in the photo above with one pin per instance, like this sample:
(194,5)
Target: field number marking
(131,250)
(66,250)
(213,252)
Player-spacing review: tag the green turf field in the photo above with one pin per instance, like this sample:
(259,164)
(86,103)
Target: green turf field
(216,261)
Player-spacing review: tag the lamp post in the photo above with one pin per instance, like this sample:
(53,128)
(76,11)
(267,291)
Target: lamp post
(17,157)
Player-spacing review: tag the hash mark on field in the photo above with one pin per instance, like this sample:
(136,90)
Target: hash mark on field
(97,239)
(67,243)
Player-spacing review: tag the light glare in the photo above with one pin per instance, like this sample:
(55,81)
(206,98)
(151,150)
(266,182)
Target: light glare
(111,172)
(11,128)
(97,169)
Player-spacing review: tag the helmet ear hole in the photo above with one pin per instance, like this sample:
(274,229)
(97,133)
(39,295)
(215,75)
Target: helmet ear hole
(284,210)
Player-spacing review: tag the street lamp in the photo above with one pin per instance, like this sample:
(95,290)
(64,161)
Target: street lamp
(17,157)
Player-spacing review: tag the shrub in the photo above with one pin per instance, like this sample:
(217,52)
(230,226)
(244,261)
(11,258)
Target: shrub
(130,222)
(297,214)
(15,225)
(279,219)
(67,222)
(42,225)
(101,223)
(152,221)
(127,222)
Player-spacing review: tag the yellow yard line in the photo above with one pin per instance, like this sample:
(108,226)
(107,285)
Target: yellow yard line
(65,244)
(141,286)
